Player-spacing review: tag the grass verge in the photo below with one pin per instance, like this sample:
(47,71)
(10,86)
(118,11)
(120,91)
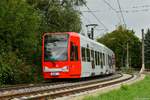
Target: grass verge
(136,91)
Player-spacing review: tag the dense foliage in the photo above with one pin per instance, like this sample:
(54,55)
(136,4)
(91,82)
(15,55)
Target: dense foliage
(22,24)
(58,15)
(147,49)
(117,41)
(19,23)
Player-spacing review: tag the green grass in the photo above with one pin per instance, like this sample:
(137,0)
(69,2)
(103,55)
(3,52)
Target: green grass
(137,91)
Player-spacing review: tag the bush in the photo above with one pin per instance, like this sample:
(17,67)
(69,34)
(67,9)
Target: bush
(13,70)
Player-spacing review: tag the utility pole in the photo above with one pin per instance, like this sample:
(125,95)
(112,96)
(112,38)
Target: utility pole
(143,64)
(127,55)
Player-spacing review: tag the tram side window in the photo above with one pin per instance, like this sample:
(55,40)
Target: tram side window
(83,53)
(107,59)
(76,53)
(95,58)
(92,55)
(98,58)
(88,54)
(111,62)
(103,59)
(73,52)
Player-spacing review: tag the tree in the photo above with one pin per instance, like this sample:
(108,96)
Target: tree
(117,41)
(69,3)
(19,24)
(147,48)
(58,15)
(73,2)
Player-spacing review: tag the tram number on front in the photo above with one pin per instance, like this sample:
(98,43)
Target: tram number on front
(54,73)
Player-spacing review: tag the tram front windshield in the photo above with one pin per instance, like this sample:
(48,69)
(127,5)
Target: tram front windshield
(55,47)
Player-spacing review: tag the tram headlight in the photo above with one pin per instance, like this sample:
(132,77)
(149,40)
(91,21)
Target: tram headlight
(46,69)
(65,69)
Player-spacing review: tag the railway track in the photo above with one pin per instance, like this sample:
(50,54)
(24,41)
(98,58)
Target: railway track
(54,91)
(50,83)
(23,86)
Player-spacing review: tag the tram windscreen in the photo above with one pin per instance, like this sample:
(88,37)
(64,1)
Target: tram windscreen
(55,47)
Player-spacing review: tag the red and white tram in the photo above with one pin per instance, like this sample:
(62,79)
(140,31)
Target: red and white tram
(71,55)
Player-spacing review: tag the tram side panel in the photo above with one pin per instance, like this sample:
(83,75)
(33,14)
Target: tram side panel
(85,64)
(99,63)
(98,59)
(95,64)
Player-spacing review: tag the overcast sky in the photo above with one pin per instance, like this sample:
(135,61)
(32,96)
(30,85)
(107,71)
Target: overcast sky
(136,15)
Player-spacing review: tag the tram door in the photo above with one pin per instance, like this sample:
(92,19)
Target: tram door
(92,59)
(74,56)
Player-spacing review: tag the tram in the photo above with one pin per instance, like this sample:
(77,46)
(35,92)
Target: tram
(71,55)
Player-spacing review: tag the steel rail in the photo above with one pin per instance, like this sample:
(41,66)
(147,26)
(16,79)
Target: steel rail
(74,90)
(55,89)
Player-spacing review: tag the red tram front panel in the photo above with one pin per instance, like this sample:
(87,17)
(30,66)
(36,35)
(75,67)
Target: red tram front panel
(61,55)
